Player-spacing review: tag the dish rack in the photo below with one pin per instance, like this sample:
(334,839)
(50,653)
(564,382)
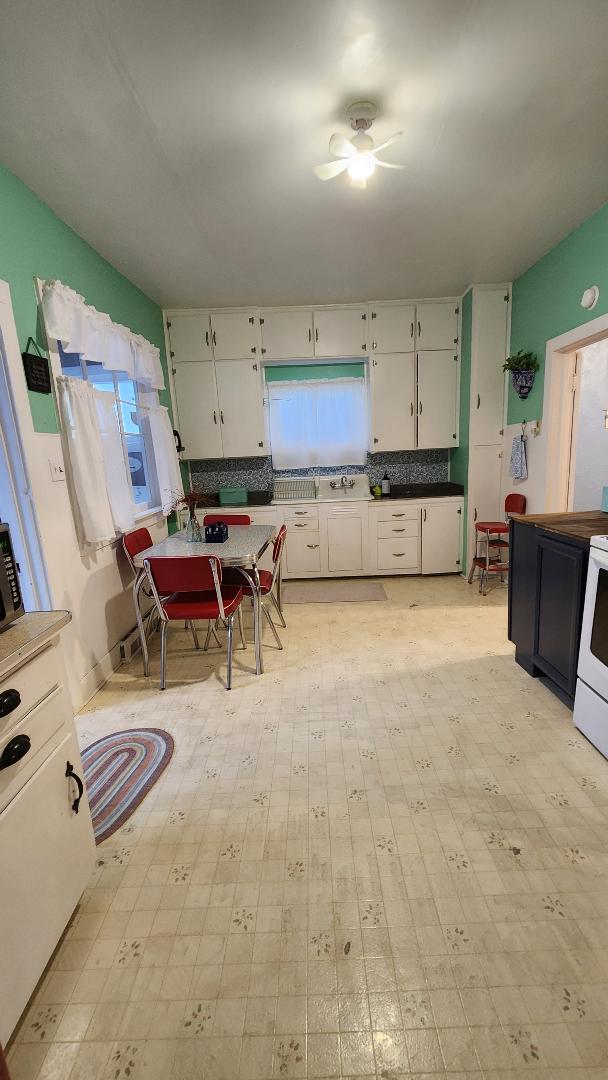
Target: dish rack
(286,490)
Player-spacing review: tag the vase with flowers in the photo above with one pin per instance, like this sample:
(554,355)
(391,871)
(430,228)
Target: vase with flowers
(190,500)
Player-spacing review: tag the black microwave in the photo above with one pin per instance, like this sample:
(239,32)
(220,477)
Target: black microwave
(11,603)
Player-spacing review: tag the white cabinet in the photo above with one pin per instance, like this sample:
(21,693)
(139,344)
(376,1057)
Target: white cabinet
(393,401)
(437,399)
(189,338)
(198,411)
(241,411)
(392,327)
(234,334)
(441,537)
(345,540)
(303,553)
(484,484)
(287,333)
(437,325)
(488,351)
(340,331)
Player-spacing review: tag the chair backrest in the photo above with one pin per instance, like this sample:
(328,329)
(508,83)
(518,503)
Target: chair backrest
(134,542)
(230,519)
(515,504)
(185,573)
(277,548)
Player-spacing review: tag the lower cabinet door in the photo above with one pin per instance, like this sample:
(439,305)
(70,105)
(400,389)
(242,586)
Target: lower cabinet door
(303,553)
(47,856)
(345,544)
(403,555)
(560,594)
(441,538)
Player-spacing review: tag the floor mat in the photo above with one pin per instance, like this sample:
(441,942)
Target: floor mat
(332,591)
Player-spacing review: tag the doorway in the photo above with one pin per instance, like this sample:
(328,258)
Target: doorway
(588,464)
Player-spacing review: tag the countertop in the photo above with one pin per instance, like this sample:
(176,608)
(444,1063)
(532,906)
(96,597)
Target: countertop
(424,491)
(581,524)
(398,491)
(26,635)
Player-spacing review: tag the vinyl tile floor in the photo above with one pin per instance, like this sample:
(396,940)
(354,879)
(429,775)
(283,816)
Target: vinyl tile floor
(387,858)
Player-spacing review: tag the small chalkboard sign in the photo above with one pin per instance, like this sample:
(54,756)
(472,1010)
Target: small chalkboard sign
(37,371)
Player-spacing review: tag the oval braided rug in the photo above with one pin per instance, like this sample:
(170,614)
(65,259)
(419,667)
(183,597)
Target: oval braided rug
(119,771)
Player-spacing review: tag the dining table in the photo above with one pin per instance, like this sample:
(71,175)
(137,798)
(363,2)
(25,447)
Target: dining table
(241,551)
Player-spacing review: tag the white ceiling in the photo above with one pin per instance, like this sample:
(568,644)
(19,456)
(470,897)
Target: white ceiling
(178,137)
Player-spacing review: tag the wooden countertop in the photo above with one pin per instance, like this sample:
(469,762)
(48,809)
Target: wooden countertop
(581,524)
(26,635)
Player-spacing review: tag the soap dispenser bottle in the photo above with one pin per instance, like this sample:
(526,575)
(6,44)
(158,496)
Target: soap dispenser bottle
(386,484)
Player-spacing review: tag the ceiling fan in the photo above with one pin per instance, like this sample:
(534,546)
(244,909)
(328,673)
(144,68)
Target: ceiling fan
(357,155)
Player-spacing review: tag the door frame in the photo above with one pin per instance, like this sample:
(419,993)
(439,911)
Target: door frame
(560,354)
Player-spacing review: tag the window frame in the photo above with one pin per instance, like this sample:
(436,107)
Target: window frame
(152,505)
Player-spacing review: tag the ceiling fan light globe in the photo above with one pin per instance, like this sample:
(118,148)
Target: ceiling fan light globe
(361,167)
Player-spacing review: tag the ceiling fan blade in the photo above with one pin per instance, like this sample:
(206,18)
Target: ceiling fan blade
(339,146)
(387,164)
(330,169)
(358,182)
(388,142)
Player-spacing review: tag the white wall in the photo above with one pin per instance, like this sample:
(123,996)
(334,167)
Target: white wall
(95,587)
(590,449)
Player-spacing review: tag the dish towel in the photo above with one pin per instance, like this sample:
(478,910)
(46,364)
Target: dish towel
(518,467)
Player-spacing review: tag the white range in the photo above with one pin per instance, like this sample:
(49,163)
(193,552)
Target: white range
(591,700)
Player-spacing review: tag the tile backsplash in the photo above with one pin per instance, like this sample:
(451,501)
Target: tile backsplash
(256,474)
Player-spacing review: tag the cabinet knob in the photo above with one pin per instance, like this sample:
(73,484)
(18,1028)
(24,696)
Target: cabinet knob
(312,546)
(251,319)
(478,400)
(373,314)
(9,701)
(363,347)
(255,366)
(207,338)
(262,350)
(419,328)
(214,417)
(253,349)
(374,344)
(411,329)
(375,440)
(260,444)
(14,751)
(222,416)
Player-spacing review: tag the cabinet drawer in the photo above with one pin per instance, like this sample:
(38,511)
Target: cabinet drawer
(303,553)
(388,530)
(398,554)
(33,682)
(301,513)
(398,513)
(41,726)
(303,525)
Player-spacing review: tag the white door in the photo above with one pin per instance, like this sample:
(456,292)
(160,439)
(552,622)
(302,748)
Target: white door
(489,342)
(393,393)
(286,334)
(189,338)
(441,538)
(345,543)
(437,325)
(392,327)
(437,399)
(197,410)
(47,854)
(483,498)
(303,553)
(340,331)
(239,391)
(235,334)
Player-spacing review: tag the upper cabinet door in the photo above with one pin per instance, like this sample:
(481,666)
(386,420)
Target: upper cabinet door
(235,334)
(189,337)
(197,410)
(392,327)
(340,331)
(437,325)
(240,394)
(287,334)
(488,349)
(393,396)
(437,399)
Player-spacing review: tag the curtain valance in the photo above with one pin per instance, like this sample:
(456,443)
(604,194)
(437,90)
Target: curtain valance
(82,329)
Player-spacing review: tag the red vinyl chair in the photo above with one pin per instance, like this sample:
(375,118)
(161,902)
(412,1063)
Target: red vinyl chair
(190,589)
(135,542)
(492,535)
(230,519)
(268,580)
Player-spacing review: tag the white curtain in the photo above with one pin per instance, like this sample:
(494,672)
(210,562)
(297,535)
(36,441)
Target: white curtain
(82,329)
(318,422)
(167,465)
(118,483)
(86,464)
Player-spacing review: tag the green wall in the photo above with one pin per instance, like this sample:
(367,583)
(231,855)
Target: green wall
(34,242)
(302,372)
(459,458)
(546,300)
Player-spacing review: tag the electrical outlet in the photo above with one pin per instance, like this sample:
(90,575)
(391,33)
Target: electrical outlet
(57,470)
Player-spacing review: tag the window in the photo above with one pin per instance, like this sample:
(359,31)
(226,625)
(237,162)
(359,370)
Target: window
(131,406)
(318,422)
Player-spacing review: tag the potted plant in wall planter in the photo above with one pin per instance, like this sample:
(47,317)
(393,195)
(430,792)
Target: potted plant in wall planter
(523,367)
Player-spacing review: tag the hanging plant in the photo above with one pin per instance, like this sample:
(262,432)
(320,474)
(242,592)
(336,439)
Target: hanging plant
(192,499)
(523,367)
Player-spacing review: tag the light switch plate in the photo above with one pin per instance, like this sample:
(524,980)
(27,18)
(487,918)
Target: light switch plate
(57,470)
